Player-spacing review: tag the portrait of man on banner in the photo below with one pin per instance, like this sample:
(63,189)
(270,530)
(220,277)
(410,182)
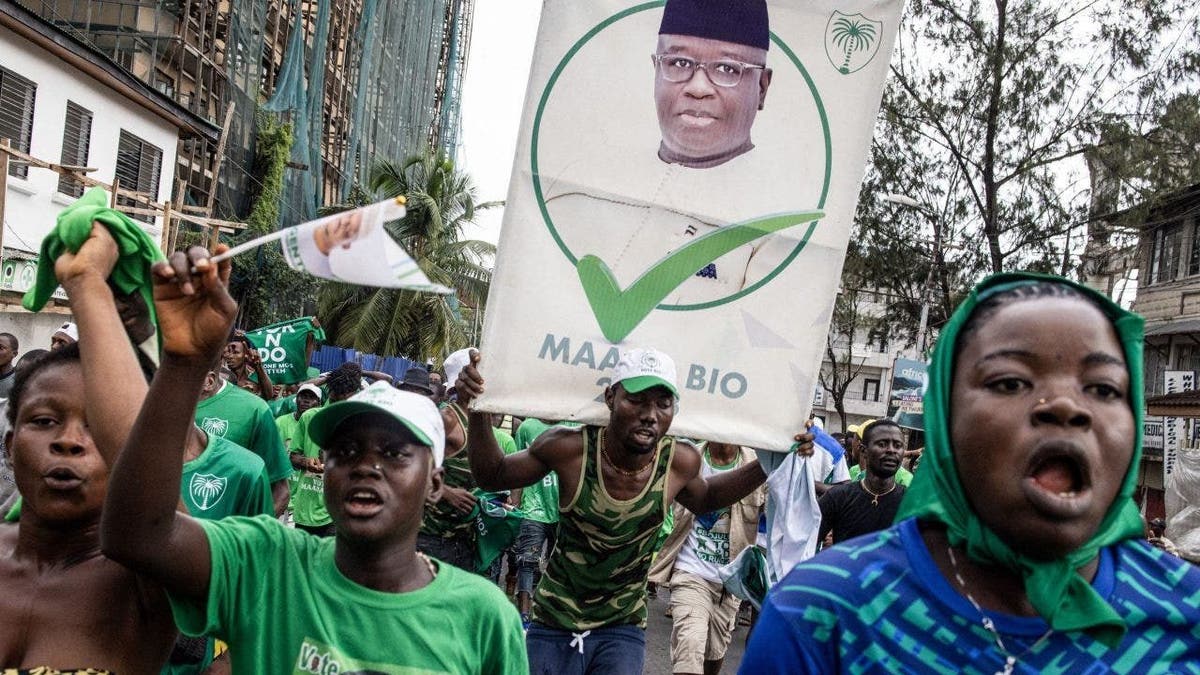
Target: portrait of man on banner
(712,80)
(681,144)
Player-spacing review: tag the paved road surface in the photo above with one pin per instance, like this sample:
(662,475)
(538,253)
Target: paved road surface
(658,640)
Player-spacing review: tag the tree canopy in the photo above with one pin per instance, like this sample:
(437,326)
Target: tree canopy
(390,322)
(988,126)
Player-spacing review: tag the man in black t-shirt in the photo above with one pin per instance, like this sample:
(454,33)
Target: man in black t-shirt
(860,507)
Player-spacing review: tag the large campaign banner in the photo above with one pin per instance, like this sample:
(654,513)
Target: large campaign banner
(685,179)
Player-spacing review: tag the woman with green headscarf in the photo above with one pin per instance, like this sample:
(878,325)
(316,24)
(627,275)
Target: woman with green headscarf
(1018,547)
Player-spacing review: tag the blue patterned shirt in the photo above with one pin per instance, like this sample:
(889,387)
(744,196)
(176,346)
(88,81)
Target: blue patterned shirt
(879,604)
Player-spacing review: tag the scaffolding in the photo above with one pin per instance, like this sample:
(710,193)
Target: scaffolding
(358,79)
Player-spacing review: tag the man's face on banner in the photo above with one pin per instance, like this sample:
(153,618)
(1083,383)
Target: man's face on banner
(700,119)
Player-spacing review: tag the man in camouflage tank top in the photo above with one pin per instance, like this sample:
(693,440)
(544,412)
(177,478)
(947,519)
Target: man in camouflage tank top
(616,483)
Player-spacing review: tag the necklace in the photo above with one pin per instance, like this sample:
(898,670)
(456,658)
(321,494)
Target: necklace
(875,497)
(624,472)
(1010,660)
(428,563)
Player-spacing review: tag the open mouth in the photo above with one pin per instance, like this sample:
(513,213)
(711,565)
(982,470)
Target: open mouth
(62,478)
(1058,481)
(645,436)
(363,503)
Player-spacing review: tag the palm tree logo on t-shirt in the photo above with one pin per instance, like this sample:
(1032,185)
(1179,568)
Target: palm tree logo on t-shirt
(206,490)
(215,426)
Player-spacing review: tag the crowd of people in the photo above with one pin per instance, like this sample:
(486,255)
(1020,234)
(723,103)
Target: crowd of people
(180,512)
(163,519)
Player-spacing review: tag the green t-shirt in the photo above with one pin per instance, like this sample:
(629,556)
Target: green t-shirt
(505,440)
(529,430)
(308,498)
(903,476)
(282,405)
(225,480)
(245,419)
(289,426)
(538,501)
(459,623)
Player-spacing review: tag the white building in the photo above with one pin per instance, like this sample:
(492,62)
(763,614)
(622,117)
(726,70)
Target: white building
(866,397)
(63,102)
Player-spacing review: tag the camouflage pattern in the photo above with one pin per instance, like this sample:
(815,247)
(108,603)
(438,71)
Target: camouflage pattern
(597,573)
(441,519)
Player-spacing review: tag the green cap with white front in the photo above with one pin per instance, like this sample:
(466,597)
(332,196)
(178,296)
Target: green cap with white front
(417,413)
(642,368)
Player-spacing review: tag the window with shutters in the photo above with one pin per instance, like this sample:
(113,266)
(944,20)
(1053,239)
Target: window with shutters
(16,115)
(138,167)
(77,134)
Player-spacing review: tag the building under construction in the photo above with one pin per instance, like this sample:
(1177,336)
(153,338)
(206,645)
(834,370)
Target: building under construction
(358,80)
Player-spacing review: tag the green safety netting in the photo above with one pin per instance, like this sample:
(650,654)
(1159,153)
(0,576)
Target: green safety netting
(409,58)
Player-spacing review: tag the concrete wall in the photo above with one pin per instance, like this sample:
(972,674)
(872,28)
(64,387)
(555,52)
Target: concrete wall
(33,203)
(33,331)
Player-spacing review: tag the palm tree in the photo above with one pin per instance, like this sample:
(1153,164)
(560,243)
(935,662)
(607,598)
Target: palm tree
(852,36)
(391,322)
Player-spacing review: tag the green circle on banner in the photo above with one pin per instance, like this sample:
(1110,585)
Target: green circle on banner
(537,181)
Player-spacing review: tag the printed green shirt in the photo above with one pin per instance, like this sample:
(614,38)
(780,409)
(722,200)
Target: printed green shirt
(308,499)
(245,419)
(276,596)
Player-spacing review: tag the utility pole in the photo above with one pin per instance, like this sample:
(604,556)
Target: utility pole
(935,258)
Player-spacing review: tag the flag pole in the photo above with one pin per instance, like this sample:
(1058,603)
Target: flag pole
(250,245)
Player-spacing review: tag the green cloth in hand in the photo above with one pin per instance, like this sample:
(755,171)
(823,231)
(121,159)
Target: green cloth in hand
(136,250)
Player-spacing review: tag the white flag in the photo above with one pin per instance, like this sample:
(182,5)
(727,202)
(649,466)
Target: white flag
(355,248)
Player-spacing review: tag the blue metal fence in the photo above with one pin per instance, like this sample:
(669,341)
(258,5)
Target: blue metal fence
(326,358)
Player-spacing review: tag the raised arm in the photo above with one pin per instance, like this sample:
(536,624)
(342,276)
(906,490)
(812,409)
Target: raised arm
(113,383)
(491,469)
(266,388)
(140,527)
(378,375)
(700,495)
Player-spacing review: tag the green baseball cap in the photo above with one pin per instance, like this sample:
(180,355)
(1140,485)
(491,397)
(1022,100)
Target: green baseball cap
(417,413)
(640,369)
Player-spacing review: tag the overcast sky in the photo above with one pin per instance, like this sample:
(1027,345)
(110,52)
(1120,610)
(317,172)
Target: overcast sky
(502,42)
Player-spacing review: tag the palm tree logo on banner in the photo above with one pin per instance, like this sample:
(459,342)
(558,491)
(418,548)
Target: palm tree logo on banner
(851,41)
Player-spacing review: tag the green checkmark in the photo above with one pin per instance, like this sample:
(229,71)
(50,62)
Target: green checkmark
(619,312)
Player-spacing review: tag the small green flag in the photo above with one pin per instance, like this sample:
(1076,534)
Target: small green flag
(496,529)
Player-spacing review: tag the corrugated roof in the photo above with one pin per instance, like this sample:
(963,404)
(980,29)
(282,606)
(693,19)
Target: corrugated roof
(1180,399)
(1174,327)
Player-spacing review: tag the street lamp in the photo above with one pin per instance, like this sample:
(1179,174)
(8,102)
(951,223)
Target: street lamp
(904,200)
